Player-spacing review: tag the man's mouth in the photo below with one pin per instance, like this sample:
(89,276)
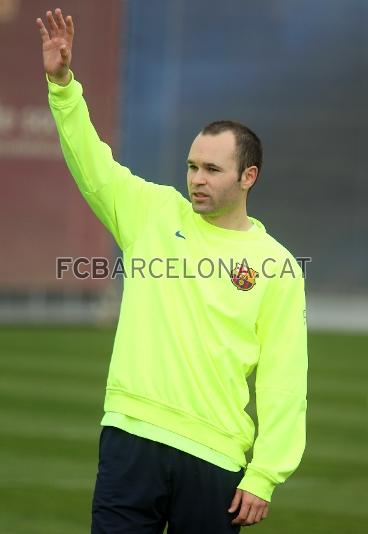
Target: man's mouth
(199,196)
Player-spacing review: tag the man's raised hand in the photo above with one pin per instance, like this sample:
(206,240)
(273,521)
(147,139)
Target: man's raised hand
(57,42)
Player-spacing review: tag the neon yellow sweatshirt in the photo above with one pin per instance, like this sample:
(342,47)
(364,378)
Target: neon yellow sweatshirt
(203,307)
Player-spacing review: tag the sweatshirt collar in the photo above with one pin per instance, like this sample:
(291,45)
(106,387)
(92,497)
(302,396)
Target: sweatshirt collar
(239,235)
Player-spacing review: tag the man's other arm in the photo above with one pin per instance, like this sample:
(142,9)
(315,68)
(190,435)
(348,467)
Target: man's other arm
(281,385)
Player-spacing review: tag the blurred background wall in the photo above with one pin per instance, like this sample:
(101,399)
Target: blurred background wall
(43,215)
(154,74)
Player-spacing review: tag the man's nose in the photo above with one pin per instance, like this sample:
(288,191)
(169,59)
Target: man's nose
(199,177)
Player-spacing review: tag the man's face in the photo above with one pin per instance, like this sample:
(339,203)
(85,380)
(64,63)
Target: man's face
(213,172)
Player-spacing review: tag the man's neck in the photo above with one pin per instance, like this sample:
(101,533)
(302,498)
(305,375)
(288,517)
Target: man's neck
(230,222)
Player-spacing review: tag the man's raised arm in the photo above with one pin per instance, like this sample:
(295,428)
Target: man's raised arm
(122,201)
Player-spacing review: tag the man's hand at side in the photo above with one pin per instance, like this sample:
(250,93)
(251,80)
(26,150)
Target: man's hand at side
(252,508)
(57,44)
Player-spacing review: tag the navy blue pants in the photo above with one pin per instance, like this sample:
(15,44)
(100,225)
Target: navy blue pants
(142,485)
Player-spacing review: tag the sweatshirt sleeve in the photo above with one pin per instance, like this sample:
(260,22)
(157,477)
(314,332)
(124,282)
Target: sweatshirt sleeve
(122,201)
(281,385)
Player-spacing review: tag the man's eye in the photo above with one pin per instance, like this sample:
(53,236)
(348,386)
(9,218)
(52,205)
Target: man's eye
(192,167)
(212,169)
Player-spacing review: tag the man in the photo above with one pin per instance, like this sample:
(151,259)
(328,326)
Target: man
(175,431)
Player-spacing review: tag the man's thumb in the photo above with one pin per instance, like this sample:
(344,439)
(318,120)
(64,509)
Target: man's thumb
(64,53)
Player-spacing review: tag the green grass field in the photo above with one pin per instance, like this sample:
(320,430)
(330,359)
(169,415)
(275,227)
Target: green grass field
(52,389)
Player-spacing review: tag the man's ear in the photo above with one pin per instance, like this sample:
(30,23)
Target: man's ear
(248,177)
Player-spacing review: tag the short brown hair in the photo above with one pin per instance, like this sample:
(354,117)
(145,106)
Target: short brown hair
(249,149)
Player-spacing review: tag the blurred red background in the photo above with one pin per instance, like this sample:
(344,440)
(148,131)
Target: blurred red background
(43,215)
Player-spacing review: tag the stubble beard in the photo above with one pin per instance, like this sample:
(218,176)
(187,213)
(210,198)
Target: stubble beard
(205,208)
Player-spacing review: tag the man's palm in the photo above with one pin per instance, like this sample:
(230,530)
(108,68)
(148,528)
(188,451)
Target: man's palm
(57,43)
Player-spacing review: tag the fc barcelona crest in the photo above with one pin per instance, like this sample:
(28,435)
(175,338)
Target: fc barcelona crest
(244,277)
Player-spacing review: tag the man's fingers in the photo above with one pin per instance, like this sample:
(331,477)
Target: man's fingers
(256,513)
(252,513)
(44,33)
(245,510)
(69,24)
(60,19)
(259,515)
(52,24)
(54,28)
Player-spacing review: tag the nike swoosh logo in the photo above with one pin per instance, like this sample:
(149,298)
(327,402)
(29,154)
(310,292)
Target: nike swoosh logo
(178,234)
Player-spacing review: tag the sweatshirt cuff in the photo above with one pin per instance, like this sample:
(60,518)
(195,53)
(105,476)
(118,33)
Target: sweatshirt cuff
(62,95)
(257,484)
